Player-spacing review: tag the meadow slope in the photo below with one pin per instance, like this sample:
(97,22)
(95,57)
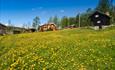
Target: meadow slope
(71,49)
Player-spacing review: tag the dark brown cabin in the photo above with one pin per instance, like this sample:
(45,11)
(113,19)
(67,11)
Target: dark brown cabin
(3,29)
(16,32)
(99,19)
(32,30)
(71,27)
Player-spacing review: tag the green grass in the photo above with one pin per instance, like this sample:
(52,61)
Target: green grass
(74,49)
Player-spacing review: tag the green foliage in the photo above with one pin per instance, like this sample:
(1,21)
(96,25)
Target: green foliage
(50,20)
(84,19)
(10,26)
(104,6)
(112,13)
(55,20)
(72,20)
(64,22)
(36,22)
(75,49)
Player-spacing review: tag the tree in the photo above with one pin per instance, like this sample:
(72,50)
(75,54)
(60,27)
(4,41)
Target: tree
(104,5)
(50,20)
(72,20)
(113,15)
(77,18)
(64,22)
(84,20)
(10,26)
(9,23)
(89,11)
(36,22)
(25,26)
(28,25)
(55,20)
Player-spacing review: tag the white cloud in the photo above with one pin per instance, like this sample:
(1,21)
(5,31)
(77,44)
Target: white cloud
(38,8)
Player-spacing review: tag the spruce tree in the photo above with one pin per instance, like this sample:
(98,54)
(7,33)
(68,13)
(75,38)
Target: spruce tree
(104,5)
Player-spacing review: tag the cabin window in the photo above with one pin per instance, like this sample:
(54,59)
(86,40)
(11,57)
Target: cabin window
(98,21)
(96,16)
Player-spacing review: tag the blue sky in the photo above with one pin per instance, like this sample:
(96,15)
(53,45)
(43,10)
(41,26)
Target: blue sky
(23,11)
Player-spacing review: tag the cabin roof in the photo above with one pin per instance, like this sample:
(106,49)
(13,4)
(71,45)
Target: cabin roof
(48,24)
(2,25)
(98,12)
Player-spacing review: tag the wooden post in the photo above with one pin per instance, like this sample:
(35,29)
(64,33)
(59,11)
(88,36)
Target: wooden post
(79,20)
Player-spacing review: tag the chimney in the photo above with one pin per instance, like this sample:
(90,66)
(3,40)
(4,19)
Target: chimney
(107,13)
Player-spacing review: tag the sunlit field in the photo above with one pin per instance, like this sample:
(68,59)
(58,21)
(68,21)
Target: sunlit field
(69,49)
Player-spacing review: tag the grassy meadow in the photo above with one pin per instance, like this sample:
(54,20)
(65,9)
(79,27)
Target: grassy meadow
(69,49)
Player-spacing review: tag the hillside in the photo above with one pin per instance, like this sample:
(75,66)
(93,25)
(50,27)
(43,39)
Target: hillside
(74,49)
